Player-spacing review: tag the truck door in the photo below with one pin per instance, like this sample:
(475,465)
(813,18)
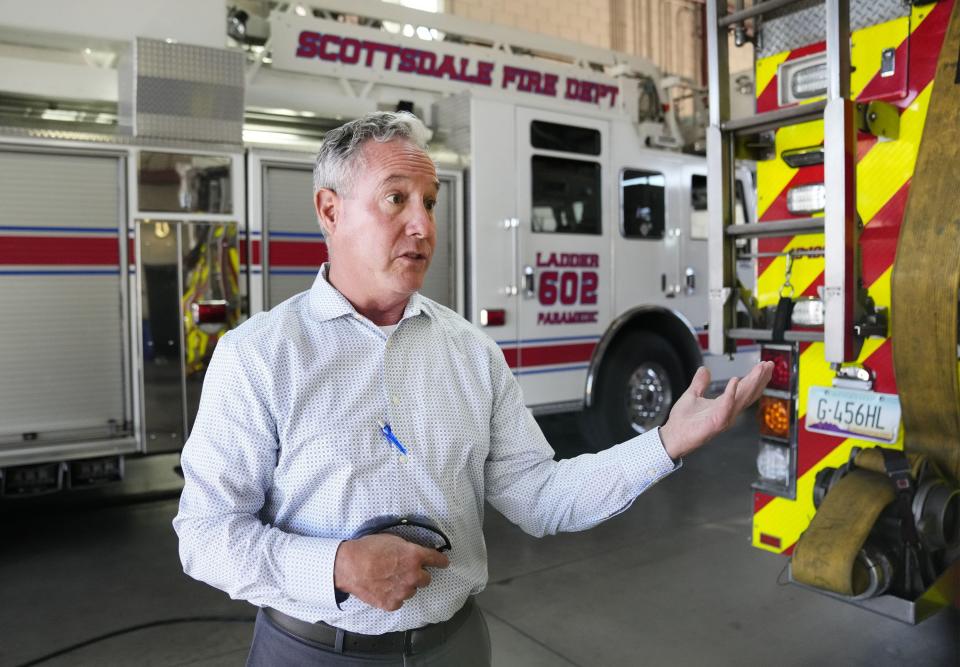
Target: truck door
(564,251)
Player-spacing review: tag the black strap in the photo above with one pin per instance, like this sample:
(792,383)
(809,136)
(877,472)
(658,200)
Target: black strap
(781,318)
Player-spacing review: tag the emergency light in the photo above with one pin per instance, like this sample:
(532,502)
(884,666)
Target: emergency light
(807,198)
(807,312)
(802,79)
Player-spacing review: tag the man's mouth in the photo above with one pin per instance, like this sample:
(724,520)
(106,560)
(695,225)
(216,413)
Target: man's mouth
(414,256)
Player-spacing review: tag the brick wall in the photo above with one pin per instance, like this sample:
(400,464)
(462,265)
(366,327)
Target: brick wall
(668,32)
(585,21)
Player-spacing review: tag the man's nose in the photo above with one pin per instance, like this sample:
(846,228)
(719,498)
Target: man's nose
(421,223)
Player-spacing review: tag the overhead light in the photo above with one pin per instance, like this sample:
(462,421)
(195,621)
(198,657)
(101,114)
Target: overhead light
(299,9)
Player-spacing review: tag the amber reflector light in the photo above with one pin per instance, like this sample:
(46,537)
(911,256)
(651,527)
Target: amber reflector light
(774,416)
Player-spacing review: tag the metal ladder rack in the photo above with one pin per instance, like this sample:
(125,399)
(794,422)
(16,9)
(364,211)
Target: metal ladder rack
(839,222)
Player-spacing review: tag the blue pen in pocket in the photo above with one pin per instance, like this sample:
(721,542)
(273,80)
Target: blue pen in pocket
(391,438)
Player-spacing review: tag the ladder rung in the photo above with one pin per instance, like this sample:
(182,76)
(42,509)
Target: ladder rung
(777,228)
(767,334)
(772,120)
(750,12)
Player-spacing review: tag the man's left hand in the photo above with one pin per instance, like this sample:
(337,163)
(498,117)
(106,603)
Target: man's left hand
(694,419)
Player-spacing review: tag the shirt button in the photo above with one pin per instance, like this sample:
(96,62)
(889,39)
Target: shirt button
(395,399)
(651,473)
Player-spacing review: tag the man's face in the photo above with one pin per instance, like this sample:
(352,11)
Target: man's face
(384,232)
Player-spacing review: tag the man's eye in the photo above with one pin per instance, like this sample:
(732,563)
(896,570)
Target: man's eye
(430,204)
(395,198)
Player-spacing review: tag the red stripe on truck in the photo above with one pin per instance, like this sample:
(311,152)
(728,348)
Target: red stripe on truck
(548,355)
(60,250)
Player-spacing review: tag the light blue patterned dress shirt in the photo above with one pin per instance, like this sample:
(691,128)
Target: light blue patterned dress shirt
(286,459)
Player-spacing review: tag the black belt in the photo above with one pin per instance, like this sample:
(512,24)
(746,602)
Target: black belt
(406,642)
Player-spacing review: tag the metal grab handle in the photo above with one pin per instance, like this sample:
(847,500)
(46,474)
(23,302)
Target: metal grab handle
(691,280)
(529,284)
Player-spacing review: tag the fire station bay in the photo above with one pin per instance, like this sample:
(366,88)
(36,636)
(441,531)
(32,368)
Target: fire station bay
(588,333)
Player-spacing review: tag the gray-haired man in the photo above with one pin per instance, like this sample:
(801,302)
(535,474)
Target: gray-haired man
(349,432)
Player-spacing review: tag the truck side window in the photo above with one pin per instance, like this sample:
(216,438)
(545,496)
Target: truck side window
(565,138)
(642,194)
(566,195)
(699,218)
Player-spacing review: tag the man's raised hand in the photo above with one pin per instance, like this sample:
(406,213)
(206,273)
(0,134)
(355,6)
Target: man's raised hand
(694,419)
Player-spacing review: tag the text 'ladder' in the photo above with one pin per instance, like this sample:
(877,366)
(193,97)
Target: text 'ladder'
(839,222)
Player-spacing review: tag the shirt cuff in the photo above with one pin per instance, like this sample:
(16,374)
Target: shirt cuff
(647,462)
(307,564)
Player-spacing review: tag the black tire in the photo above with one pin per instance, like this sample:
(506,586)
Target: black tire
(649,364)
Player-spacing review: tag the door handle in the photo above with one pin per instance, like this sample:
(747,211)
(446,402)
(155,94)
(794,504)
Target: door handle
(691,280)
(529,284)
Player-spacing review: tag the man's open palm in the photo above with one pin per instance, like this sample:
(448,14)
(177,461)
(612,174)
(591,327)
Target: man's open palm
(694,419)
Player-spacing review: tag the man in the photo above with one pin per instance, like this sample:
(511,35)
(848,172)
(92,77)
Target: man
(332,424)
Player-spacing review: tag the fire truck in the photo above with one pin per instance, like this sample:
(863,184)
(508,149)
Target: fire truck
(572,226)
(856,294)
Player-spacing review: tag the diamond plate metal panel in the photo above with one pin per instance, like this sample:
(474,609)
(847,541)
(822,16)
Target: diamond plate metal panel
(182,91)
(805,22)
(451,119)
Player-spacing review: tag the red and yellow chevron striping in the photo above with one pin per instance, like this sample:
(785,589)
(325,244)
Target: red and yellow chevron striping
(884,170)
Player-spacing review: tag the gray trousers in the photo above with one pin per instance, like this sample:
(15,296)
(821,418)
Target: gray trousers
(275,647)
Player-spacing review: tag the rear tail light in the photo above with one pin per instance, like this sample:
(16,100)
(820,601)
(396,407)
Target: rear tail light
(775,416)
(782,367)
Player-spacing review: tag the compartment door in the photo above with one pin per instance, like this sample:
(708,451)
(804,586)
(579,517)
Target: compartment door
(62,341)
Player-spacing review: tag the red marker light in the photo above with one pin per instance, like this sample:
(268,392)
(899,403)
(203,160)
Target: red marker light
(209,312)
(782,367)
(493,317)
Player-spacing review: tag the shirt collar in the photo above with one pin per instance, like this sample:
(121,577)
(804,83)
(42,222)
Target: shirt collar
(327,303)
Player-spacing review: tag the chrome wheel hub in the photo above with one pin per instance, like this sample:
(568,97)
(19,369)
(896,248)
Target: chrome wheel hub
(648,397)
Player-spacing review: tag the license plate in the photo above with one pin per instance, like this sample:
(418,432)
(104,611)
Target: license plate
(849,413)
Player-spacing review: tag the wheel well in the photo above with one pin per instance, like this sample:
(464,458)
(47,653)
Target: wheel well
(670,325)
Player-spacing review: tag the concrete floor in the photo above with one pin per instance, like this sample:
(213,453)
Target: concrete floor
(671,581)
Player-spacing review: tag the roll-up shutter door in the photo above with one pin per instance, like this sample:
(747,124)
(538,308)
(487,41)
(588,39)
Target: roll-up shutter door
(61,334)
(293,241)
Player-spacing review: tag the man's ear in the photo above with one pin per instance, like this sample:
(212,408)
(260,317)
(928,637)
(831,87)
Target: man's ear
(327,204)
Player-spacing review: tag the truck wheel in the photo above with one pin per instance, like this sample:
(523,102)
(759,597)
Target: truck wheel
(638,383)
